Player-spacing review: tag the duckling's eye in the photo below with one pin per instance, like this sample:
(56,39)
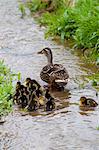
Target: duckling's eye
(88,101)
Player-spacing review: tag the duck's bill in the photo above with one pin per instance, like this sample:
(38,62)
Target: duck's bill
(40,52)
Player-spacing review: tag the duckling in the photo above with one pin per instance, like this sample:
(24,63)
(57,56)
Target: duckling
(50,104)
(38,86)
(88,102)
(33,85)
(29,86)
(17,93)
(23,101)
(20,87)
(32,104)
(41,101)
(21,94)
(47,94)
(16,97)
(38,90)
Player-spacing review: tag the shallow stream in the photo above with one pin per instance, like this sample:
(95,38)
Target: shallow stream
(67,128)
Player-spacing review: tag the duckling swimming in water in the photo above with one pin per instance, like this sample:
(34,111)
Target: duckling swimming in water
(21,95)
(50,104)
(33,85)
(17,93)
(32,103)
(88,102)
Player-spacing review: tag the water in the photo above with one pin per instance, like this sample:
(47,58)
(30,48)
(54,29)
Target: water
(66,128)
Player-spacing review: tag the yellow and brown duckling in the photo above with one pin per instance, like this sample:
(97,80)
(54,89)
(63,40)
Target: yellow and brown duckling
(23,100)
(32,103)
(54,74)
(50,104)
(29,84)
(21,95)
(32,84)
(87,102)
(17,93)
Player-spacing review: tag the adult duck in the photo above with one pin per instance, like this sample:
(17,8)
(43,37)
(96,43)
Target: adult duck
(54,74)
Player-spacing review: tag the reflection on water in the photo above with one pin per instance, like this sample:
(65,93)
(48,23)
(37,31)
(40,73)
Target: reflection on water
(68,127)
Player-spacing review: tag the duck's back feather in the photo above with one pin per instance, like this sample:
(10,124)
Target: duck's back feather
(50,73)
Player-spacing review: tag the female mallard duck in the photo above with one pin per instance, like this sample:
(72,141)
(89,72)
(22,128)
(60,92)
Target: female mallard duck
(54,74)
(88,102)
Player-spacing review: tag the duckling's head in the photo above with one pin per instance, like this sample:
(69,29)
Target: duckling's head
(82,100)
(48,53)
(18,84)
(28,80)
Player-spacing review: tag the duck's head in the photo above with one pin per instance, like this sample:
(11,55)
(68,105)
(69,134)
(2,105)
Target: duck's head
(48,53)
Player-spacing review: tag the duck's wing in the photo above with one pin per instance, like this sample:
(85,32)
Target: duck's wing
(45,73)
(60,75)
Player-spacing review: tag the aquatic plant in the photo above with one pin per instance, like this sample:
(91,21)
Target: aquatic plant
(6,88)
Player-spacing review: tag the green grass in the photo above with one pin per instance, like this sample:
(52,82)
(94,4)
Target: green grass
(36,5)
(95,79)
(97,128)
(6,88)
(22,9)
(79,23)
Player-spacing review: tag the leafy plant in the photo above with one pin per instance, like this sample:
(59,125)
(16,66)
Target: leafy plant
(95,79)
(35,5)
(6,88)
(22,9)
(79,23)
(87,33)
(97,127)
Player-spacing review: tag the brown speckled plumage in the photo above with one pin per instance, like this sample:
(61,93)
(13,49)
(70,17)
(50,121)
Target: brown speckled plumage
(53,72)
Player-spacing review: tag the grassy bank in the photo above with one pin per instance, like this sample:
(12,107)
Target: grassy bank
(6,89)
(79,23)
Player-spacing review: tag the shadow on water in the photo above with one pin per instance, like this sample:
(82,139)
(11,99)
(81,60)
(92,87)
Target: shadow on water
(68,127)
